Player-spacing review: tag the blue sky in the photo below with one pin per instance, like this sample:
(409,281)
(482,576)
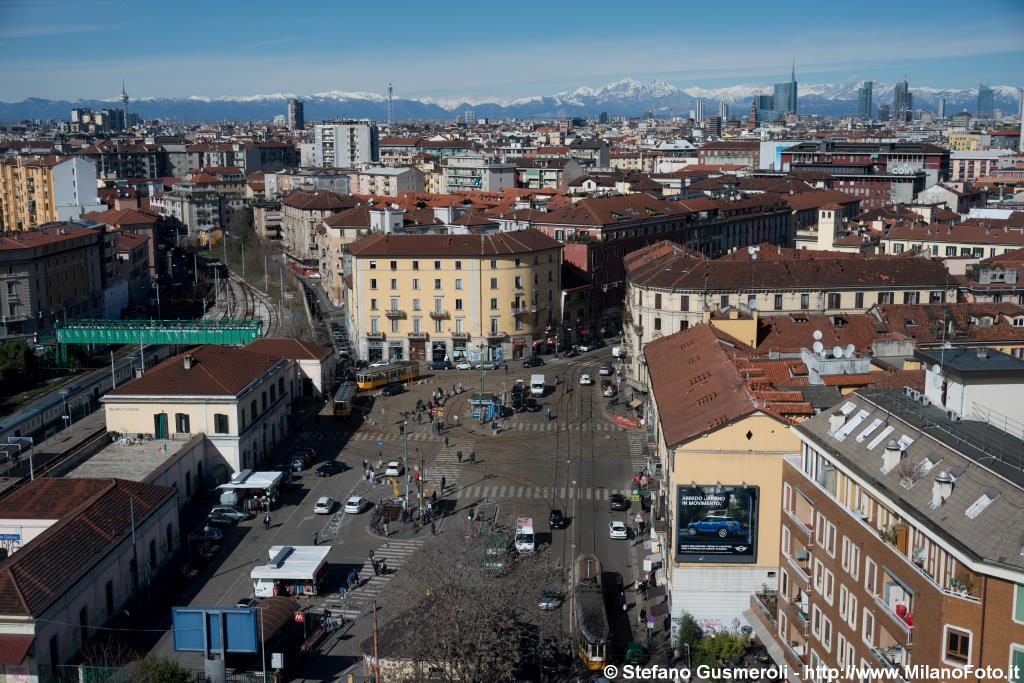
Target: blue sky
(69,50)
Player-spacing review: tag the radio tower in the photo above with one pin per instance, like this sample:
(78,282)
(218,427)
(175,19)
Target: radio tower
(391,107)
(124,104)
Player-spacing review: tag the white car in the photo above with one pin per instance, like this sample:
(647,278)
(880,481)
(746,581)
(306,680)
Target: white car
(394,469)
(463,365)
(584,347)
(356,504)
(324,505)
(380,363)
(606,370)
(617,530)
(585,380)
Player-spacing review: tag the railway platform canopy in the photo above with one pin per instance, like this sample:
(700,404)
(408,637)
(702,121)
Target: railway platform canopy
(184,332)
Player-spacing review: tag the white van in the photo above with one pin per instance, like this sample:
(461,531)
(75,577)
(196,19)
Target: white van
(617,352)
(524,535)
(536,385)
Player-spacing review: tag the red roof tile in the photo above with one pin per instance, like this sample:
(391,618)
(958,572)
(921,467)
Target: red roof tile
(216,371)
(14,648)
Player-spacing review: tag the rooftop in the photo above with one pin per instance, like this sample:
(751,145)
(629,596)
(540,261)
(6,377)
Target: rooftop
(216,371)
(515,242)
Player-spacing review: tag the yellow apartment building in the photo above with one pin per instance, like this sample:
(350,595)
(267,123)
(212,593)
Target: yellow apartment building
(452,297)
(37,190)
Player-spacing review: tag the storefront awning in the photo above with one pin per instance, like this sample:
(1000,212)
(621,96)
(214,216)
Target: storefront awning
(247,479)
(635,403)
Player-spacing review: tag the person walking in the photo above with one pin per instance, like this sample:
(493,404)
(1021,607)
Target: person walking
(433,529)
(472,457)
(446,442)
(266,522)
(315,536)
(458,456)
(549,413)
(506,368)
(442,483)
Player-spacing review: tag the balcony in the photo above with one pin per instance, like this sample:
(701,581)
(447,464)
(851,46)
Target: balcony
(375,335)
(496,334)
(418,335)
(440,315)
(394,314)
(800,526)
(460,335)
(800,569)
(765,606)
(891,658)
(798,651)
(907,629)
(799,612)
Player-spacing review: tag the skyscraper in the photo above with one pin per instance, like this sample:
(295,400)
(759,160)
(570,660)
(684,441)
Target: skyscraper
(765,107)
(296,115)
(714,126)
(986,101)
(883,112)
(902,101)
(700,112)
(723,109)
(942,108)
(785,95)
(864,100)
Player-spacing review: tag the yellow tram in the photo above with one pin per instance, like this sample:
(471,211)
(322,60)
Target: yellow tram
(396,371)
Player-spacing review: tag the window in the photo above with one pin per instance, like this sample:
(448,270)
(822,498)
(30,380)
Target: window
(152,554)
(458,304)
(870,570)
(519,262)
(415,283)
(459,324)
(494,304)
(858,299)
(851,610)
(437,283)
(958,646)
(415,265)
(374,324)
(494,283)
(394,326)
(373,265)
(684,303)
(834,300)
(415,304)
(519,281)
(657,300)
(394,265)
(850,559)
(458,283)
(551,276)
(109,591)
(83,621)
(911,297)
(273,393)
(844,593)
(494,264)
(778,302)
(373,283)
(458,265)
(724,301)
(394,303)
(437,265)
(867,630)
(394,283)
(373,304)
(785,541)
(252,411)
(935,297)
(220,423)
(494,325)
(1018,604)
(805,302)
(264,397)
(181,423)
(885,298)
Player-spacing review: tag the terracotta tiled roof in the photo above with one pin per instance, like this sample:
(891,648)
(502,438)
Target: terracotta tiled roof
(847,380)
(14,648)
(320,200)
(121,217)
(94,515)
(515,242)
(127,241)
(602,211)
(28,239)
(282,347)
(216,371)
(966,232)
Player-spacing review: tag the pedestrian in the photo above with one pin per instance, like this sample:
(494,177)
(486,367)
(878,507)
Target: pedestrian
(643,615)
(442,484)
(506,368)
(315,536)
(366,465)
(446,442)
(433,529)
(494,427)
(433,496)
(266,522)
(458,456)
(549,413)
(472,457)
(371,556)
(387,530)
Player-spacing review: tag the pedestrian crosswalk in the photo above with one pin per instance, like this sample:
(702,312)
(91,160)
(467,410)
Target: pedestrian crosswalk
(446,463)
(637,450)
(540,492)
(395,554)
(323,436)
(551,426)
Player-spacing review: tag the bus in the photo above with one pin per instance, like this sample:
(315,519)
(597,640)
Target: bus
(396,371)
(590,617)
(344,398)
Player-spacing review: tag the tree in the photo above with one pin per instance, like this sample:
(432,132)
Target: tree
(690,632)
(153,669)
(472,623)
(16,360)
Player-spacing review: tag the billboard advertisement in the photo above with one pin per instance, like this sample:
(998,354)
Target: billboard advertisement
(716,523)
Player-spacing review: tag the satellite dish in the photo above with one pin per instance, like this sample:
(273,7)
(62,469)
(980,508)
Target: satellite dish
(837,351)
(818,347)
(751,250)
(937,381)
(817,334)
(823,353)
(850,349)
(947,345)
(936,369)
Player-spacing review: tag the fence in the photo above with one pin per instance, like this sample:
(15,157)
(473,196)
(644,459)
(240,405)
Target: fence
(72,673)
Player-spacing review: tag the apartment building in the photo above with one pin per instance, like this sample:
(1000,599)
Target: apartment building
(743,152)
(302,212)
(241,400)
(669,289)
(286,181)
(115,160)
(346,144)
(386,182)
(37,190)
(477,172)
(971,165)
(899,548)
(452,297)
(206,202)
(974,238)
(48,274)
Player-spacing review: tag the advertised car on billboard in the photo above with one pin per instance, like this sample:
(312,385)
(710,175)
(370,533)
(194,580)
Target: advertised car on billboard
(716,523)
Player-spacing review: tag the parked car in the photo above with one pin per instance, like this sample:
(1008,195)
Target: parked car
(329,468)
(571,353)
(324,505)
(556,520)
(216,519)
(247,602)
(606,370)
(464,365)
(618,502)
(634,653)
(609,389)
(533,362)
(307,451)
(585,380)
(583,347)
(487,365)
(298,464)
(356,504)
(394,469)
(207,534)
(440,365)
(717,525)
(530,405)
(391,390)
(596,343)
(548,597)
(617,529)
(382,363)
(232,511)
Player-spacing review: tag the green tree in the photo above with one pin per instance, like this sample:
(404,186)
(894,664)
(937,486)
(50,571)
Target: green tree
(690,632)
(16,360)
(155,669)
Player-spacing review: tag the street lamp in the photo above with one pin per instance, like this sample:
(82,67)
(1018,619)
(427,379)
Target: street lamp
(405,434)
(67,413)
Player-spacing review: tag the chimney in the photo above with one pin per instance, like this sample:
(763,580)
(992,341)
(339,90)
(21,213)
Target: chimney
(836,421)
(941,489)
(891,456)
(188,361)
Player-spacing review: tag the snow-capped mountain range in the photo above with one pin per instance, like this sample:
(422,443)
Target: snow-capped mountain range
(628,97)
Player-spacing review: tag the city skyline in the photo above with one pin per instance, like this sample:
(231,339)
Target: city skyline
(317,57)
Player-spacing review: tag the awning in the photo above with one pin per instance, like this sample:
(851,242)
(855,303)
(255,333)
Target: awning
(584,331)
(635,403)
(518,341)
(14,648)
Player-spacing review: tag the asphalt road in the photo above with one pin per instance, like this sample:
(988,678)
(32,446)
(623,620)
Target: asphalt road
(572,462)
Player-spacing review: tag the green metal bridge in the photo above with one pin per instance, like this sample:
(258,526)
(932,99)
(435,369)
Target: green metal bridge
(183,332)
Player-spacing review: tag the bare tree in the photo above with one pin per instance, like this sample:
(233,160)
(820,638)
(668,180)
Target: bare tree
(473,622)
(108,649)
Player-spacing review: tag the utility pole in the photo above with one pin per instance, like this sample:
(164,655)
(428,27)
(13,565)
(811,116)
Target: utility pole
(405,433)
(480,406)
(113,377)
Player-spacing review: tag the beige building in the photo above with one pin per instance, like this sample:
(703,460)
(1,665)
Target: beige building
(670,289)
(37,190)
(301,215)
(239,399)
(970,238)
(386,182)
(452,297)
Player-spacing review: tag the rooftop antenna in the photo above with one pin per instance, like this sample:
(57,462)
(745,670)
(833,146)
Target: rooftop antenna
(124,104)
(391,107)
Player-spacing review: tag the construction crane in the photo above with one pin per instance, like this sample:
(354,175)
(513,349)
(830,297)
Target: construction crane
(671,111)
